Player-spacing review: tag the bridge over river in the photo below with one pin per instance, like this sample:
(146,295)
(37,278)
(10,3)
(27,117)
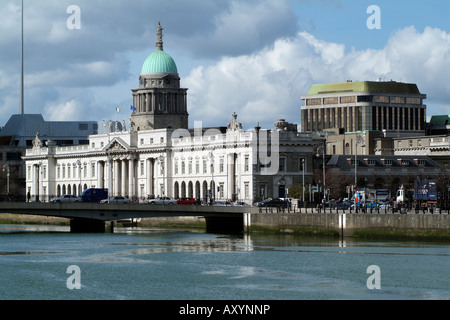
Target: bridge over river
(91,217)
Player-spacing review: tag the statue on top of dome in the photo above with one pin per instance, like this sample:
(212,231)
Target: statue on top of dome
(159,41)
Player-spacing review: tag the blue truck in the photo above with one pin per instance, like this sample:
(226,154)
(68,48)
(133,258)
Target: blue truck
(425,192)
(94,195)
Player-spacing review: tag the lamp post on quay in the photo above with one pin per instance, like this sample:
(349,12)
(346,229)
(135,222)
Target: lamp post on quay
(358,140)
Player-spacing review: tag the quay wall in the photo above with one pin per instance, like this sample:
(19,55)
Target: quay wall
(358,225)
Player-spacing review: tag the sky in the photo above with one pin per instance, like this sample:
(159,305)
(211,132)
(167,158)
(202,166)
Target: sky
(253,57)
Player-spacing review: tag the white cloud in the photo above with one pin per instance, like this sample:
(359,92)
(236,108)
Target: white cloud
(267,85)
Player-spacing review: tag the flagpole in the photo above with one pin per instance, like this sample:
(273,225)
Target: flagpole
(22,108)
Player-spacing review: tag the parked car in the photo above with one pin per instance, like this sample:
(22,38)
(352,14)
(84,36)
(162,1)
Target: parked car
(66,198)
(116,199)
(186,200)
(223,203)
(162,200)
(242,204)
(273,203)
(344,204)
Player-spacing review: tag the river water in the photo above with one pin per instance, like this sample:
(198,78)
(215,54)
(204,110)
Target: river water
(156,264)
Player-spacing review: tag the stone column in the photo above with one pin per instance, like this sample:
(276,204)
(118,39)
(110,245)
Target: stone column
(124,179)
(131,179)
(231,175)
(116,178)
(100,174)
(149,177)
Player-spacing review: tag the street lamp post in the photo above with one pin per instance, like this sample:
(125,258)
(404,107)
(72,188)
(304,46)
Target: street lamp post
(303,181)
(323,170)
(108,155)
(359,139)
(6,168)
(213,186)
(161,161)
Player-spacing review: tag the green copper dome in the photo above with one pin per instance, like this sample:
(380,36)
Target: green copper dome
(159,62)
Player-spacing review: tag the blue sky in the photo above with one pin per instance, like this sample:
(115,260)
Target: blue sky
(252,57)
(345,21)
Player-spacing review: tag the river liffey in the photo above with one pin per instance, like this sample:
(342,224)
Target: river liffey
(154,264)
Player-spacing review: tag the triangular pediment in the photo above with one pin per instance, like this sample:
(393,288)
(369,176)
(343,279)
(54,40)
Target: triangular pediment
(117,144)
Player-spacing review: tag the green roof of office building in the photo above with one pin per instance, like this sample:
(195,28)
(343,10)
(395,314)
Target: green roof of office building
(440,120)
(365,86)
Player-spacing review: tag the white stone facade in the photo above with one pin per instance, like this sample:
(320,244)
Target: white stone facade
(175,163)
(159,155)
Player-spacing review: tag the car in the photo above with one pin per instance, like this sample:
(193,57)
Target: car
(344,204)
(186,200)
(162,200)
(242,204)
(66,198)
(223,203)
(116,199)
(272,203)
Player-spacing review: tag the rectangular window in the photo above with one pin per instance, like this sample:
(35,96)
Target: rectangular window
(246,190)
(282,164)
(301,164)
(221,165)
(183,167)
(197,167)
(413,100)
(221,195)
(381,99)
(246,164)
(313,102)
(176,167)
(190,167)
(398,100)
(142,168)
(332,100)
(205,170)
(348,99)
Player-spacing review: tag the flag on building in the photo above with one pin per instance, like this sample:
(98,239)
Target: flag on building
(117,109)
(132,108)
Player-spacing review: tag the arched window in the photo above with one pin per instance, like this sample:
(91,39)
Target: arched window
(347,148)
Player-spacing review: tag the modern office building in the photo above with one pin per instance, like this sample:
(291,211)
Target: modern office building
(364,106)
(21,129)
